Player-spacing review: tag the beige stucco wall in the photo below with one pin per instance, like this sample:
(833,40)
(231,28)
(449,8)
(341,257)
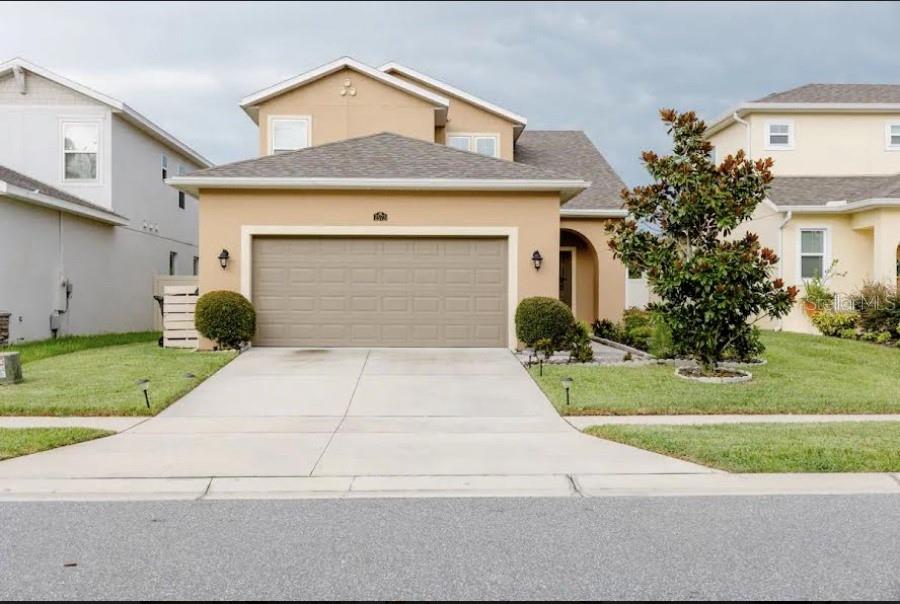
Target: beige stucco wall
(534,215)
(466,118)
(375,108)
(825,144)
(609,274)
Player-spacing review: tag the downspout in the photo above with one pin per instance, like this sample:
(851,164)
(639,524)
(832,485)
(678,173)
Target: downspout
(746,125)
(787,219)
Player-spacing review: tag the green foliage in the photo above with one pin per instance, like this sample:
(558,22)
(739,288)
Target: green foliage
(662,345)
(606,329)
(818,294)
(878,306)
(226,317)
(580,350)
(746,347)
(883,337)
(545,347)
(709,284)
(833,323)
(849,334)
(543,318)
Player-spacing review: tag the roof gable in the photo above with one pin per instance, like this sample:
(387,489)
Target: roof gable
(519,121)
(250,104)
(16,65)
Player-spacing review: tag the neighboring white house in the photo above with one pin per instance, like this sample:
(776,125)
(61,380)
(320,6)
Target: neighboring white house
(86,219)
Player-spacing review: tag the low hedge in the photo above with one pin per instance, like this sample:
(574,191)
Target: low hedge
(225,317)
(543,318)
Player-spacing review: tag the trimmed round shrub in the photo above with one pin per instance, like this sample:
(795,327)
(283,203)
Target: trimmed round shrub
(541,318)
(225,317)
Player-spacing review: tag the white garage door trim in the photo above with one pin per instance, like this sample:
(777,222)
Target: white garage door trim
(510,233)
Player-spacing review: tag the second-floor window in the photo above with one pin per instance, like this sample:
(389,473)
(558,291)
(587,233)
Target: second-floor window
(81,147)
(485,144)
(779,135)
(892,136)
(164,162)
(288,134)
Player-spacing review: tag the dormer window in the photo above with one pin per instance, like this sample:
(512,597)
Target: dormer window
(484,144)
(892,136)
(779,135)
(288,133)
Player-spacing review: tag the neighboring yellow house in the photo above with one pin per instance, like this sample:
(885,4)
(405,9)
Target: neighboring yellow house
(391,209)
(836,194)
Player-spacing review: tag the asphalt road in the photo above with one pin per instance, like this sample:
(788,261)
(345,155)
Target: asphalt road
(618,548)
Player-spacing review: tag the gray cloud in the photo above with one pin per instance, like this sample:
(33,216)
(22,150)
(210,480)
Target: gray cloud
(605,68)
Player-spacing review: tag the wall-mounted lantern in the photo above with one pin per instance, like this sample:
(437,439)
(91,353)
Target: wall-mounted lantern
(223,259)
(537,260)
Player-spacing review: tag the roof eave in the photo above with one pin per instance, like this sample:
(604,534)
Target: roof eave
(593,213)
(841,207)
(48,201)
(727,118)
(566,188)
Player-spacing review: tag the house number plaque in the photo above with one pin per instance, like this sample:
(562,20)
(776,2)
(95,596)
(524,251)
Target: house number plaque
(379,217)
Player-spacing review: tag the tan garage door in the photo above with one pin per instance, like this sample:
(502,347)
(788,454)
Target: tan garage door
(380,291)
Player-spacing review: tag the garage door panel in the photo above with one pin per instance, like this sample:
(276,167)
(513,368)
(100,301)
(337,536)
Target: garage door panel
(334,291)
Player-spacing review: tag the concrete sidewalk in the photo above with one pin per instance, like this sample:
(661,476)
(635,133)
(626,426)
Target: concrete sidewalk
(547,485)
(585,421)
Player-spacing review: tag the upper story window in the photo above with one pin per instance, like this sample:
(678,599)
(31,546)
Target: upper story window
(288,133)
(712,155)
(485,144)
(779,135)
(81,147)
(164,162)
(813,247)
(892,136)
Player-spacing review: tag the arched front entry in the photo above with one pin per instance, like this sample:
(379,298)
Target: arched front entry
(596,288)
(578,274)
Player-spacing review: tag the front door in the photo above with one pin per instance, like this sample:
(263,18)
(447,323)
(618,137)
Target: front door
(566,275)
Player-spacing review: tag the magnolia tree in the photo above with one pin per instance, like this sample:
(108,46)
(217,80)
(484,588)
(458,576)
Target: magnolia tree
(711,286)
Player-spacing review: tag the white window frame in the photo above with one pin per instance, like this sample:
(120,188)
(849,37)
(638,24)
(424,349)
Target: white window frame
(473,137)
(826,251)
(288,118)
(790,134)
(80,121)
(888,146)
(164,164)
(713,155)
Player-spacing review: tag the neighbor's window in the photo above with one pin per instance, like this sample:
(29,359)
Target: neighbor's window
(812,253)
(164,162)
(196,265)
(173,256)
(484,144)
(779,135)
(81,144)
(892,137)
(712,155)
(181,202)
(289,134)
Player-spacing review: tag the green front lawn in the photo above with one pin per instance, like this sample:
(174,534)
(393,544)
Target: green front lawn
(42,349)
(837,447)
(805,374)
(102,381)
(24,441)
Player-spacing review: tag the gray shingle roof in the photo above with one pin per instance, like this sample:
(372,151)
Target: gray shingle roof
(836,93)
(384,155)
(573,152)
(17,179)
(819,190)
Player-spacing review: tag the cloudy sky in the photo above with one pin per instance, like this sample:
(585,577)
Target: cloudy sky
(605,68)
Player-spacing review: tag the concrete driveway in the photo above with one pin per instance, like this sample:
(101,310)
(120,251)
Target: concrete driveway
(277,412)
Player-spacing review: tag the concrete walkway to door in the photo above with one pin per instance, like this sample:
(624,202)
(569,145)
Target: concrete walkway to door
(280,412)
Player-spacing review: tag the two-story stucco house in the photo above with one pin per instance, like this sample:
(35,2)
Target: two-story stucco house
(86,218)
(391,209)
(836,193)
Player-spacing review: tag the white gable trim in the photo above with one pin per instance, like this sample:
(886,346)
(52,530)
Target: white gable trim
(519,120)
(127,113)
(249,103)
